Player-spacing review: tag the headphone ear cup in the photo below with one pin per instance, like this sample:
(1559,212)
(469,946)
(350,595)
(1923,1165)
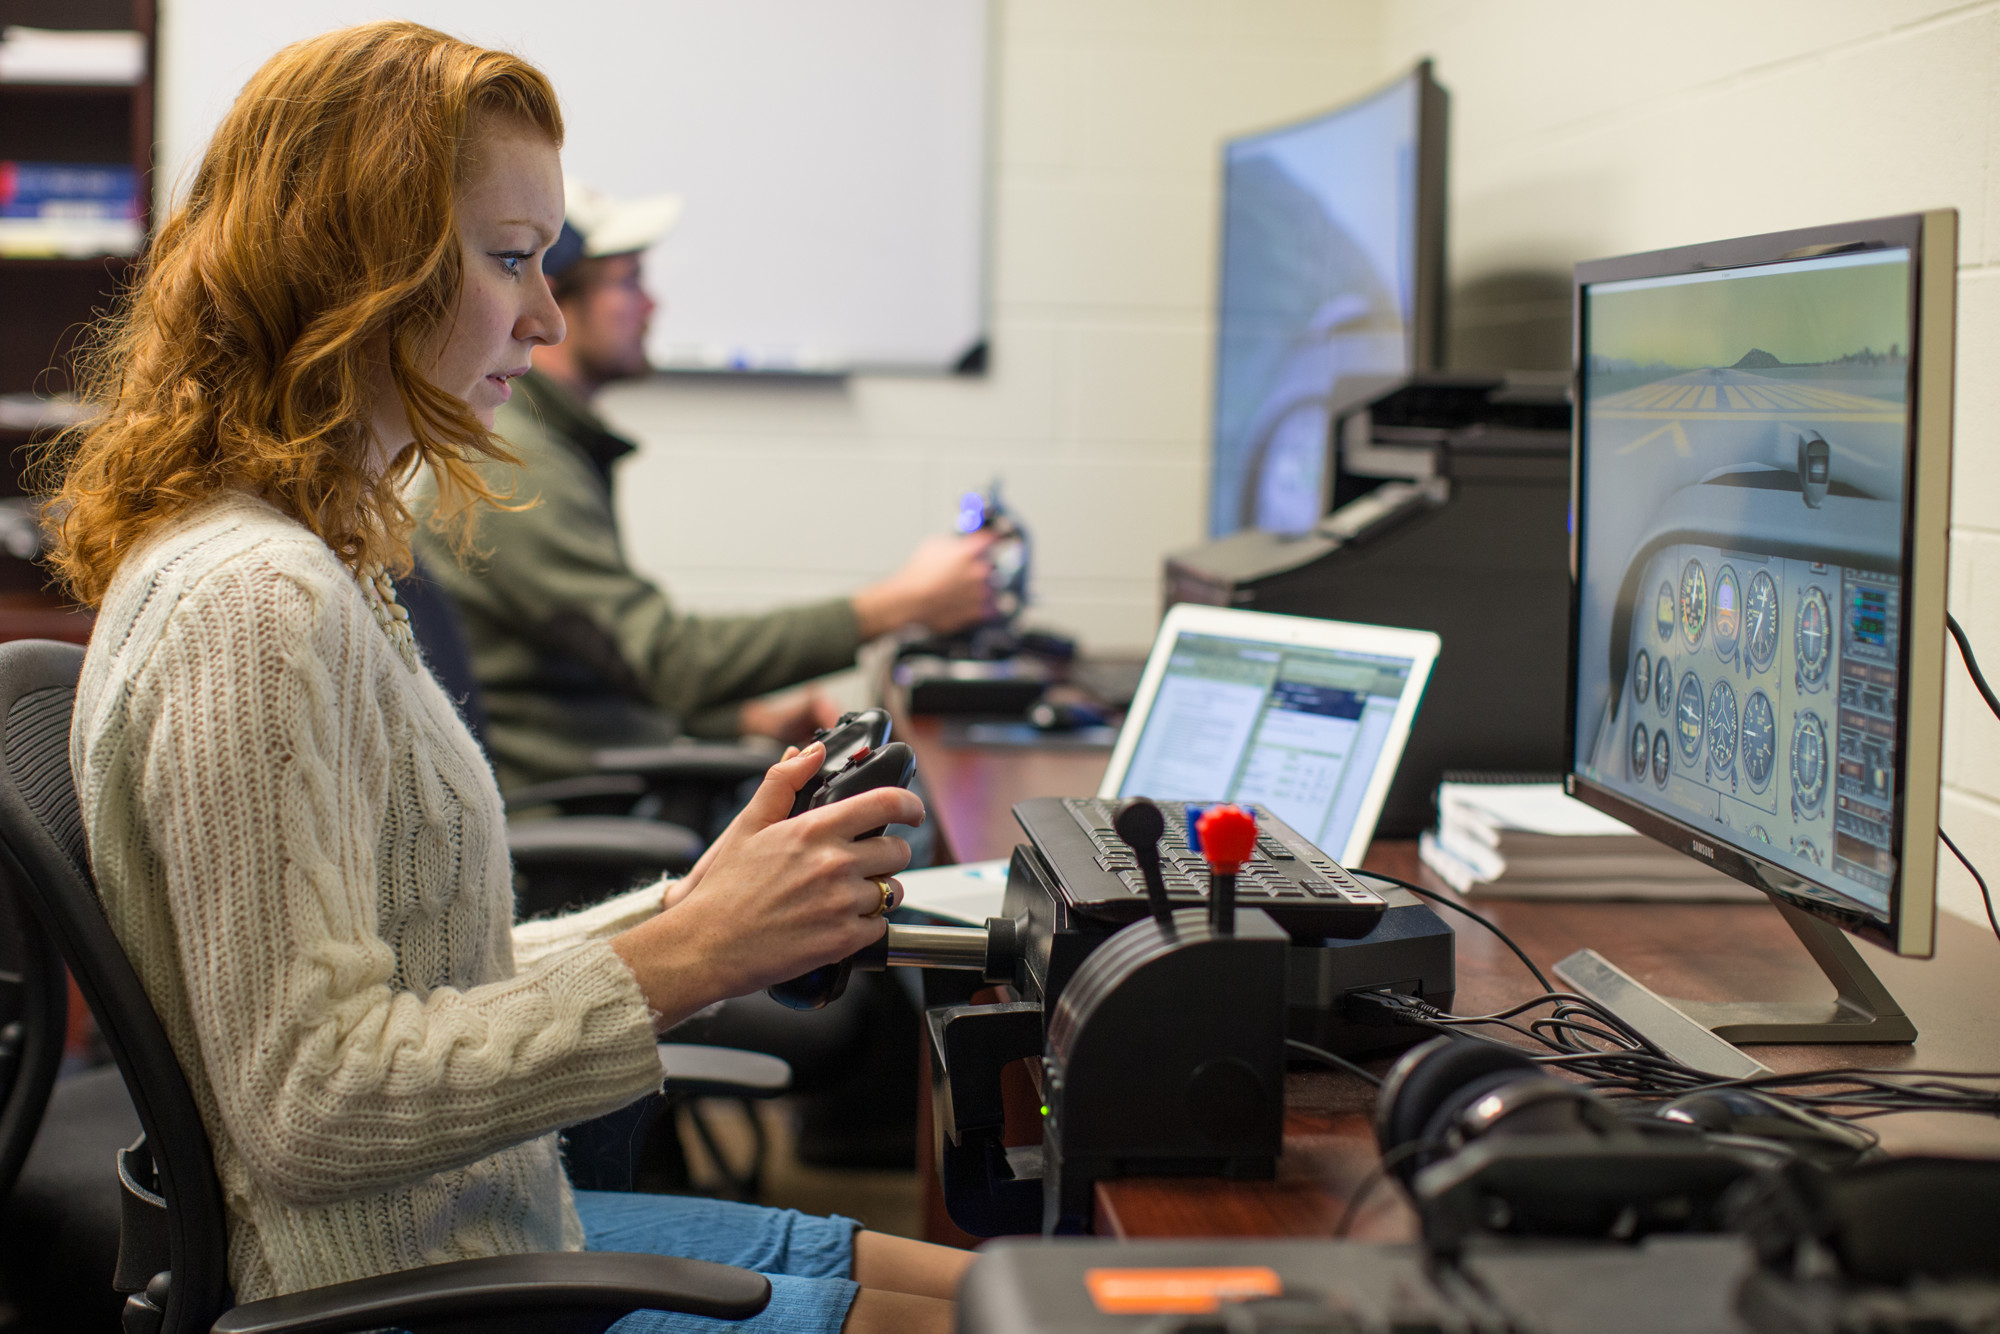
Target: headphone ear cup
(1436,1078)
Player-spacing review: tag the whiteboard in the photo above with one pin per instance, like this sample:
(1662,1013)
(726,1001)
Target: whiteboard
(832,156)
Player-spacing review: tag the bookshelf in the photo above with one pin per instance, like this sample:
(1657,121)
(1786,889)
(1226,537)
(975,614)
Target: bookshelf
(46,302)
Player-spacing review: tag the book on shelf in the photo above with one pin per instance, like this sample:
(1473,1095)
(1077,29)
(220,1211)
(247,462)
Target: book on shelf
(93,189)
(56,55)
(42,412)
(68,209)
(69,238)
(1524,837)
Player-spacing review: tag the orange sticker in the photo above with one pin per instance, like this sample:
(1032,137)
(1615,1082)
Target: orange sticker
(1178,1291)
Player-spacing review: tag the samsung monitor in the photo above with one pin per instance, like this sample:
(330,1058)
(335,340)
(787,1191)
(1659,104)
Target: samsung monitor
(1332,265)
(1761,504)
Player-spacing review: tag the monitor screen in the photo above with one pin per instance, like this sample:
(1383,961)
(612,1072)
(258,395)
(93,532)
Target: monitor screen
(1327,269)
(1296,729)
(1744,457)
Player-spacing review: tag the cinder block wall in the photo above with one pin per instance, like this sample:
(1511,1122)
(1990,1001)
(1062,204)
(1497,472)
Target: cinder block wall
(1108,120)
(1580,128)
(1584,128)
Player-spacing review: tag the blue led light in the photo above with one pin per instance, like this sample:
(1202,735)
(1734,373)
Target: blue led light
(971,512)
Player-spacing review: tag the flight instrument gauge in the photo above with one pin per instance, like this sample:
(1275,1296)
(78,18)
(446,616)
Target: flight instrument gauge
(1728,613)
(1663,757)
(1665,612)
(1642,677)
(1721,728)
(1642,747)
(1663,684)
(1759,739)
(1814,638)
(1688,712)
(1808,761)
(1694,603)
(1803,849)
(1760,621)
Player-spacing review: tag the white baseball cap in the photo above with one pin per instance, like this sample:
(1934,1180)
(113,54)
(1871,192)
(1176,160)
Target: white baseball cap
(596,224)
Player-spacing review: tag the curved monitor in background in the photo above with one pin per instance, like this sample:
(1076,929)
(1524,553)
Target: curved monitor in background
(1332,265)
(1762,501)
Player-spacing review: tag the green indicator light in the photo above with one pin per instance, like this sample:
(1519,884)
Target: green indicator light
(1045,1109)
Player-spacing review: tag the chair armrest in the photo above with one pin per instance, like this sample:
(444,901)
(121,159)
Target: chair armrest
(592,794)
(704,761)
(723,1072)
(602,841)
(556,1292)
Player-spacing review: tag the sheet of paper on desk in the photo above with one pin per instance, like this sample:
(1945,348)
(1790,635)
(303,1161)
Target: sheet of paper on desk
(968,893)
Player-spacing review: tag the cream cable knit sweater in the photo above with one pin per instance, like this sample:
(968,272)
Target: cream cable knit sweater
(303,852)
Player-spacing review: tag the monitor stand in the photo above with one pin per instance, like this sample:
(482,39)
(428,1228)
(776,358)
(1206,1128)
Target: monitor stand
(1701,1033)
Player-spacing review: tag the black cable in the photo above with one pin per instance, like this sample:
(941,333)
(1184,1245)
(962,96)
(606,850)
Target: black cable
(1984,894)
(1338,1062)
(1986,693)
(1971,663)
(1440,899)
(1628,1066)
(1370,1183)
(1568,1006)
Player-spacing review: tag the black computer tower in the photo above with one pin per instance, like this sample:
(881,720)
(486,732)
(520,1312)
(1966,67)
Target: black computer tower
(1474,546)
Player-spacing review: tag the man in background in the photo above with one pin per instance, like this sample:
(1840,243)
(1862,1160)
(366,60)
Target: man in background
(573,649)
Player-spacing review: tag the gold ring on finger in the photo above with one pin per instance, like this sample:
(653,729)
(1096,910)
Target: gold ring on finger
(888,888)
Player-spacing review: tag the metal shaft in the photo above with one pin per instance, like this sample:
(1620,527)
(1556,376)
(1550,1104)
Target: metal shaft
(961,947)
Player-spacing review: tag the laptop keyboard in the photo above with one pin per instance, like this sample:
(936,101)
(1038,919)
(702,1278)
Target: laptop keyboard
(1302,888)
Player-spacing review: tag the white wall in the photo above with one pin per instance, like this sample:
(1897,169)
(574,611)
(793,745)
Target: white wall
(1581,128)
(1109,116)
(1584,128)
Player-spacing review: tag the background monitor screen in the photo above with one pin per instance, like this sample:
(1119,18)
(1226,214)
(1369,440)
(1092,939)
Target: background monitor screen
(1294,729)
(1328,269)
(1743,438)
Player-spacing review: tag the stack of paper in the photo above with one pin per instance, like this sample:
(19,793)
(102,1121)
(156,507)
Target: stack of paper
(50,55)
(1532,840)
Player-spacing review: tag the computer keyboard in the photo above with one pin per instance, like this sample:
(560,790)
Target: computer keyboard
(1302,888)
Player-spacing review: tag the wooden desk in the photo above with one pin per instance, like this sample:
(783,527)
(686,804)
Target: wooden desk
(1699,951)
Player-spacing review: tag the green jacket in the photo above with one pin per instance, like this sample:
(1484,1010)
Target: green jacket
(575,650)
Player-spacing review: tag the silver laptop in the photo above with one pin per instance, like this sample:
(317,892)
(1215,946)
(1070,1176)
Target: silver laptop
(1302,716)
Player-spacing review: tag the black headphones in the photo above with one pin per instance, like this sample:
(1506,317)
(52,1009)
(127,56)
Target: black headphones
(1520,1150)
(1450,1091)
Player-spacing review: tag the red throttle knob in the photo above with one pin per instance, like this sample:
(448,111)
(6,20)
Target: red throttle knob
(1228,836)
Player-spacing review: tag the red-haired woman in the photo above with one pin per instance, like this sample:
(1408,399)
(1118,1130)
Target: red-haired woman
(298,843)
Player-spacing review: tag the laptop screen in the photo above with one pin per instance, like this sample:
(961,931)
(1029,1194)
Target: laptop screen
(1298,730)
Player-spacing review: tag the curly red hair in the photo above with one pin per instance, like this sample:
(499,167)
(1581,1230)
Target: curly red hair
(318,237)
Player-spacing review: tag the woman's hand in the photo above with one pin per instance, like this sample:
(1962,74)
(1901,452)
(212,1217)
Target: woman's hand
(774,897)
(679,889)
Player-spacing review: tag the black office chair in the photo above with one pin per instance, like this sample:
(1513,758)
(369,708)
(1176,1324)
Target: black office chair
(34,1013)
(173,1253)
(679,794)
(59,1207)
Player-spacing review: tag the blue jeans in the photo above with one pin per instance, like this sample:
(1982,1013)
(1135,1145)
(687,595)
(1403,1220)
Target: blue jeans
(807,1259)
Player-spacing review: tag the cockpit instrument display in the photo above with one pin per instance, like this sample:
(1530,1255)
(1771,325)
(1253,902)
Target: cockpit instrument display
(1721,731)
(1741,455)
(1694,604)
(1761,620)
(1814,637)
(1727,616)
